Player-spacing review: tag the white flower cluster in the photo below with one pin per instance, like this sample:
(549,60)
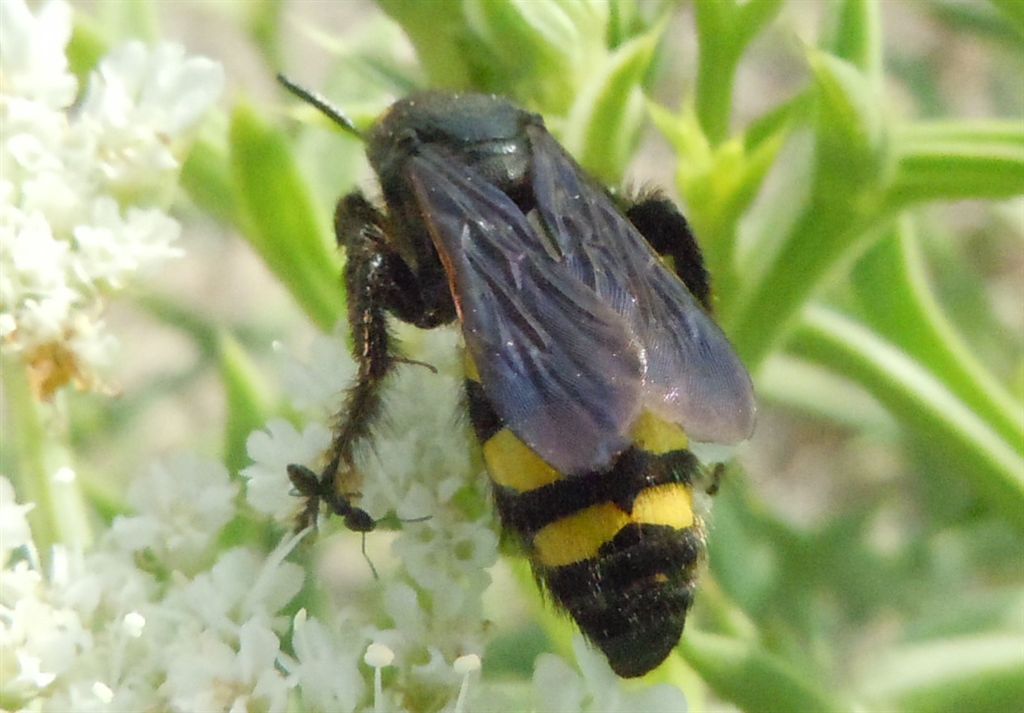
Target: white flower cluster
(83,183)
(427,609)
(153,617)
(167,611)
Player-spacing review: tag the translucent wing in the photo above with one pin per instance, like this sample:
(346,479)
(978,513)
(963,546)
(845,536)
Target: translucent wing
(562,368)
(693,377)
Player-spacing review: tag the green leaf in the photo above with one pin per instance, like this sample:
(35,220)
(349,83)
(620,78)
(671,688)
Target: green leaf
(919,401)
(1003,27)
(972,673)
(719,184)
(264,20)
(59,514)
(898,302)
(850,174)
(816,391)
(1013,11)
(436,31)
(857,36)
(746,675)
(278,217)
(206,177)
(957,161)
(604,123)
(128,20)
(852,143)
(724,30)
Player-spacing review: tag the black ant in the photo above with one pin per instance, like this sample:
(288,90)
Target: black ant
(316,490)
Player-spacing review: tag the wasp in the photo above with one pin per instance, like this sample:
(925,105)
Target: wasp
(592,360)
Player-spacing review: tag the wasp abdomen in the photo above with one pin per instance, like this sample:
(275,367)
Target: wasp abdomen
(617,548)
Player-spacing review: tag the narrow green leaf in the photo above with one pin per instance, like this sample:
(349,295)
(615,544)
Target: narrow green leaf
(981,674)
(278,217)
(957,161)
(1013,11)
(434,30)
(751,17)
(248,401)
(59,514)
(812,389)
(852,145)
(751,678)
(206,177)
(919,401)
(850,173)
(724,30)
(1003,27)
(129,20)
(857,36)
(790,113)
(898,302)
(604,123)
(264,20)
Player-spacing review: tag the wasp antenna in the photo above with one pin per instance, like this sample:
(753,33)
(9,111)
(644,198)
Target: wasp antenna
(320,102)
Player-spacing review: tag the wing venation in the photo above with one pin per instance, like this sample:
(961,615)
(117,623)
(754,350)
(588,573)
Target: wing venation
(693,377)
(563,369)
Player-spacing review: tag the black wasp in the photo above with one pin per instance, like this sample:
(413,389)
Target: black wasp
(591,356)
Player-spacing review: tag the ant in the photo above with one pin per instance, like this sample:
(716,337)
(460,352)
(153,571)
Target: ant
(316,490)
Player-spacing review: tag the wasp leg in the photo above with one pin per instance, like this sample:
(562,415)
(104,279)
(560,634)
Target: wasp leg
(378,282)
(664,227)
(369,279)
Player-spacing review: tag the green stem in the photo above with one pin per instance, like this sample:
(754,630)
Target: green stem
(716,69)
(43,457)
(815,247)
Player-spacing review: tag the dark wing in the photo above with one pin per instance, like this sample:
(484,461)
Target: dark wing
(563,369)
(693,377)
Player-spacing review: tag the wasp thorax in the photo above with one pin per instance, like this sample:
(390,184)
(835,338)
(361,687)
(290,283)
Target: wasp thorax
(481,131)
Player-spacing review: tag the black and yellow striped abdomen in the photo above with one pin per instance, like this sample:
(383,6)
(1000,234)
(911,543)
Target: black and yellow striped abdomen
(617,548)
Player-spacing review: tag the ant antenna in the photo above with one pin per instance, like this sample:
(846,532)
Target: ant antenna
(416,362)
(359,520)
(320,102)
(317,490)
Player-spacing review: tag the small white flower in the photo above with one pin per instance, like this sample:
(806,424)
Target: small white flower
(317,384)
(182,505)
(83,193)
(560,689)
(208,673)
(30,673)
(326,664)
(268,489)
(32,53)
(14,529)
